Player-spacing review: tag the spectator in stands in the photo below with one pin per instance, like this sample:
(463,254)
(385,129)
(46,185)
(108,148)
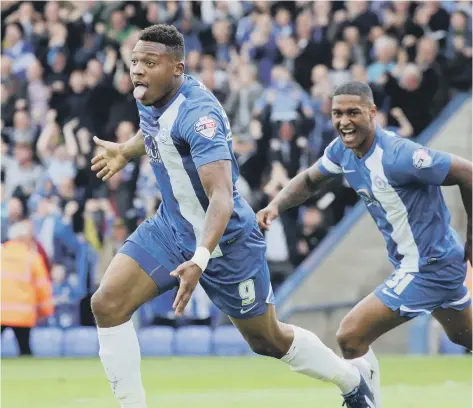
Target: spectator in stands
(279,241)
(361,16)
(26,288)
(314,230)
(321,85)
(385,49)
(21,173)
(245,90)
(412,93)
(221,47)
(261,47)
(458,29)
(339,71)
(119,29)
(113,238)
(459,52)
(432,66)
(14,212)
(404,128)
(18,49)
(323,132)
(351,35)
(283,98)
(273,66)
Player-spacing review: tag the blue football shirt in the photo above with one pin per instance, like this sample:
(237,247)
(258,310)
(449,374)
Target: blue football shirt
(191,130)
(399,181)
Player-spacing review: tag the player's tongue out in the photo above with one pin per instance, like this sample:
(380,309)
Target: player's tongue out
(139,91)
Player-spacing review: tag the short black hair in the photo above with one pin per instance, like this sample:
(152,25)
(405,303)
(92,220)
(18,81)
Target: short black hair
(358,88)
(167,35)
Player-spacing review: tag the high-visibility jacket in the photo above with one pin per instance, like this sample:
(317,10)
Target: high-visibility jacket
(25,288)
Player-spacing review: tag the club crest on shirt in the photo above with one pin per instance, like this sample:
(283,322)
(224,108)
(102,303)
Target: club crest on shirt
(163,135)
(421,159)
(379,183)
(206,127)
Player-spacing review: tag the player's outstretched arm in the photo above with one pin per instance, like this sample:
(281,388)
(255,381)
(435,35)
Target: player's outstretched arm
(460,174)
(116,155)
(296,192)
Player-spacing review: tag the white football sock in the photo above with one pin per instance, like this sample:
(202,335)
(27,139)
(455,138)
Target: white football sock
(375,377)
(309,356)
(121,358)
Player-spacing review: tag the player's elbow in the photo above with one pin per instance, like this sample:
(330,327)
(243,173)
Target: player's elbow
(224,199)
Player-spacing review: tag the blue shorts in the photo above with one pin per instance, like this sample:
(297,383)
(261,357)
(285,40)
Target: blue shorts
(238,282)
(423,292)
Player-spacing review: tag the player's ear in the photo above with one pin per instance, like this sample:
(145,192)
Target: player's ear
(179,69)
(373,111)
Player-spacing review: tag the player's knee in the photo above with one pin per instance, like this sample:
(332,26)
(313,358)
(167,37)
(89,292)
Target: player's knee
(461,338)
(265,347)
(349,340)
(108,309)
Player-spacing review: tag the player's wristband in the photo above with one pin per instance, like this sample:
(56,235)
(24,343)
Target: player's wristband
(201,257)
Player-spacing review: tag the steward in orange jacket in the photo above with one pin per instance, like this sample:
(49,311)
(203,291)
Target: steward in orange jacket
(26,289)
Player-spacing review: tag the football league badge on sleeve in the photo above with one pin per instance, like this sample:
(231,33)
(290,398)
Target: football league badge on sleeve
(206,127)
(421,159)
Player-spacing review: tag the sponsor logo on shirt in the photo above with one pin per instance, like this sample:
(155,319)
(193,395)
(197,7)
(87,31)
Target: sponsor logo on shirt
(206,127)
(151,148)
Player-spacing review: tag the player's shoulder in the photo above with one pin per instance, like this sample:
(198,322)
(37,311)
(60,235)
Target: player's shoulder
(197,95)
(400,154)
(200,107)
(392,144)
(336,148)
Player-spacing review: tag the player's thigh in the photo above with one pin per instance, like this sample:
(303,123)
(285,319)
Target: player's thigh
(454,312)
(125,286)
(139,272)
(367,321)
(457,324)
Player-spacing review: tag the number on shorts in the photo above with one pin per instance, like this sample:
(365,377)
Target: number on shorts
(247,292)
(399,282)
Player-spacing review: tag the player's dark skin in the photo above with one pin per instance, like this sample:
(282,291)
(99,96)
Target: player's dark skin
(125,286)
(370,318)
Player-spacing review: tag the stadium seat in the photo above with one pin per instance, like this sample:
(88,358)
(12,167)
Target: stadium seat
(9,346)
(156,341)
(227,341)
(46,341)
(193,341)
(81,342)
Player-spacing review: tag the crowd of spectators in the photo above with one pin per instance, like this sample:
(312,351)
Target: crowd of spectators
(271,64)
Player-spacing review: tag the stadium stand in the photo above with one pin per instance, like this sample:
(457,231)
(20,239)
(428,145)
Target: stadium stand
(81,342)
(272,65)
(156,341)
(47,341)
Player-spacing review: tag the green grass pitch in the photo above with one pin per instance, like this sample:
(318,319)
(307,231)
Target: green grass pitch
(250,382)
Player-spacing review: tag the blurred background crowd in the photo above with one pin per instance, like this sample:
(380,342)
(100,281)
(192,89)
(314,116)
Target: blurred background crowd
(271,64)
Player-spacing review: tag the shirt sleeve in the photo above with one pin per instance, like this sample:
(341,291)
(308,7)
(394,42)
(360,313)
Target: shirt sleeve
(414,163)
(205,129)
(329,163)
